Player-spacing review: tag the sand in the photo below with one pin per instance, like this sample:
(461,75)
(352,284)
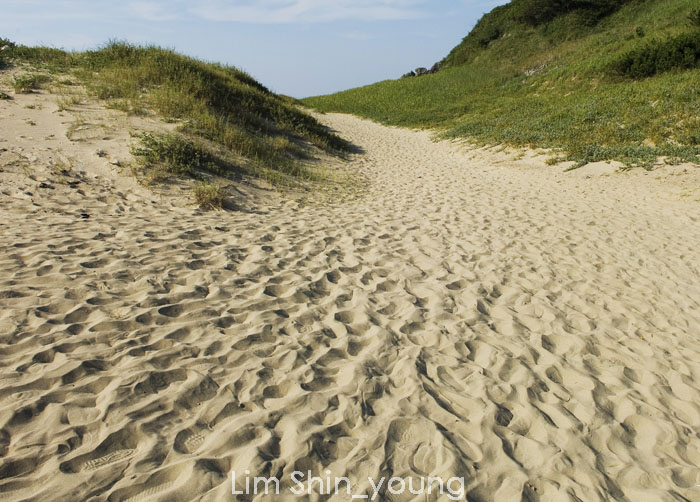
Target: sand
(464,313)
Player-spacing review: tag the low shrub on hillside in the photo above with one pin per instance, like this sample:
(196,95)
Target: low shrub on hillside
(537,12)
(659,56)
(694,18)
(493,33)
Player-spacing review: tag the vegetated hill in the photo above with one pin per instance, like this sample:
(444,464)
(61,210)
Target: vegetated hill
(598,79)
(229,123)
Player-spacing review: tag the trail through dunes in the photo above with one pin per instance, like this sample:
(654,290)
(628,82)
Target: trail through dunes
(534,332)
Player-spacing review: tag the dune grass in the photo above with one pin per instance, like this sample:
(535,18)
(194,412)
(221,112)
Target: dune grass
(208,195)
(231,121)
(29,82)
(557,84)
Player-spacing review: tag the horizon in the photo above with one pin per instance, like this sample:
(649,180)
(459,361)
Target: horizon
(299,48)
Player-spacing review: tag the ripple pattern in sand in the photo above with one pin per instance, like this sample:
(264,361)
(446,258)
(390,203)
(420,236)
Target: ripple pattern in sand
(534,334)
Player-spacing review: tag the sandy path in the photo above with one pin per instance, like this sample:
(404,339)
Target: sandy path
(533,332)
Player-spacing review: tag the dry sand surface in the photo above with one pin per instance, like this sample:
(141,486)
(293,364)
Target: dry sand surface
(465,314)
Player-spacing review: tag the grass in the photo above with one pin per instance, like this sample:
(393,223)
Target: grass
(75,127)
(554,85)
(67,102)
(28,83)
(173,154)
(208,195)
(234,123)
(61,170)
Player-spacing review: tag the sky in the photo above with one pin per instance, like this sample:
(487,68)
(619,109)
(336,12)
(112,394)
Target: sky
(296,47)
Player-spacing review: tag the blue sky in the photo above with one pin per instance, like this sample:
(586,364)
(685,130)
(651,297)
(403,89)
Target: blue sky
(296,47)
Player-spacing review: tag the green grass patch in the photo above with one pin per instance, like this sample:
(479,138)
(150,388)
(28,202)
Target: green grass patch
(551,86)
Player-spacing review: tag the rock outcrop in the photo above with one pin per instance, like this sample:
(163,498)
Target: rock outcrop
(436,67)
(419,72)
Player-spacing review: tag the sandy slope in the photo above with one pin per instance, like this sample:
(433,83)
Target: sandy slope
(466,315)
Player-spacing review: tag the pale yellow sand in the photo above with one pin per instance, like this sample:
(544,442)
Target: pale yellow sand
(535,332)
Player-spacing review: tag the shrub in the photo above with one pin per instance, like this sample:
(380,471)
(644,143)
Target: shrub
(537,12)
(5,48)
(494,33)
(659,56)
(694,18)
(208,195)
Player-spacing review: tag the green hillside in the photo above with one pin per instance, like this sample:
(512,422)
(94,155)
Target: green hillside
(229,123)
(596,79)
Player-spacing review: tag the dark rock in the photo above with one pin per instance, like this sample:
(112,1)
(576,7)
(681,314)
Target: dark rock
(419,72)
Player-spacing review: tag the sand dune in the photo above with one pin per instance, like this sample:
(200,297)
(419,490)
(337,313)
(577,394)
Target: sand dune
(532,331)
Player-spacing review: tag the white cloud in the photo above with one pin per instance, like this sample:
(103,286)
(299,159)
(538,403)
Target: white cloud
(152,11)
(285,11)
